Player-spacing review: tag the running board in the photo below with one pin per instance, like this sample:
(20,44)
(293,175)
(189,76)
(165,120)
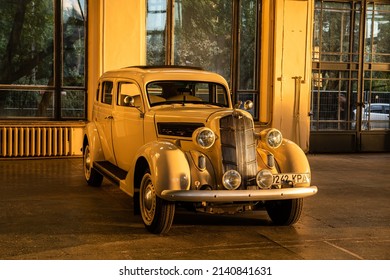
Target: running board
(110,171)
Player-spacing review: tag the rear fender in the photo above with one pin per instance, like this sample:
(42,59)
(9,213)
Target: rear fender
(91,136)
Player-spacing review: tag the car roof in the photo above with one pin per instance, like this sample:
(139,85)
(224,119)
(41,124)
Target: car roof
(147,74)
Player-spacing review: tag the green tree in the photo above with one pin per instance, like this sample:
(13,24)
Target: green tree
(26,48)
(203,34)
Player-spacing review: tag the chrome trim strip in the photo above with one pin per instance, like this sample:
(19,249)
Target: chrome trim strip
(237,195)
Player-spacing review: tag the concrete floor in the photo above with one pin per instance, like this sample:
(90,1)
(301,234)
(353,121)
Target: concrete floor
(48,212)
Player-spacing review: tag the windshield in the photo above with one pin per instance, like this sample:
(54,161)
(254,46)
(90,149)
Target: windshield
(183,92)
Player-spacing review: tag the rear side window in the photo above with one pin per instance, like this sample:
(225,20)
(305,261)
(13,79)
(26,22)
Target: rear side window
(107,91)
(97,92)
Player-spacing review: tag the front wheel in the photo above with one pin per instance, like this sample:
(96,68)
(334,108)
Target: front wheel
(157,213)
(92,177)
(284,212)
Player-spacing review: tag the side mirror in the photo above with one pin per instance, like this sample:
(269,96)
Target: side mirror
(128,101)
(248,105)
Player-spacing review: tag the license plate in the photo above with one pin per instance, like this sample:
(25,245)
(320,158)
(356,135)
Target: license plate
(286,178)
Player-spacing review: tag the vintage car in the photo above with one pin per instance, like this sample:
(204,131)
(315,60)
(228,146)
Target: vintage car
(170,136)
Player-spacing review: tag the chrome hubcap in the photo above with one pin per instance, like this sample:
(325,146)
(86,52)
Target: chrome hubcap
(87,163)
(148,200)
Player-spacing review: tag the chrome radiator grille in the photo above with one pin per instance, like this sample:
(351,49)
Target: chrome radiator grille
(239,147)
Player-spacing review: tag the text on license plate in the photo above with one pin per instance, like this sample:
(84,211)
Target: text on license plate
(290,178)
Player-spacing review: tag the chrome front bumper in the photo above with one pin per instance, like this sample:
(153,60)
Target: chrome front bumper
(237,195)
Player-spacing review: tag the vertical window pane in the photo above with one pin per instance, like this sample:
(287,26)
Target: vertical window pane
(202,34)
(336,31)
(376,95)
(26,42)
(248,38)
(378,33)
(73,52)
(356,32)
(333,100)
(156,22)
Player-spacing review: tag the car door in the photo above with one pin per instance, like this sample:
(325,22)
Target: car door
(103,118)
(127,123)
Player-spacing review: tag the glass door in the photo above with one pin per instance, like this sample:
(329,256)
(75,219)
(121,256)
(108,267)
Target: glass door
(351,72)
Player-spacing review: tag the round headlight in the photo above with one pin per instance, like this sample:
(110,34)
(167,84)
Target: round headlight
(274,138)
(264,179)
(231,180)
(204,137)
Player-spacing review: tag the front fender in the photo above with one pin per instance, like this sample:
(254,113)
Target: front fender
(168,165)
(290,158)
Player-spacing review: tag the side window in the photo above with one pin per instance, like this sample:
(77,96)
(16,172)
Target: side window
(376,109)
(129,95)
(97,92)
(107,92)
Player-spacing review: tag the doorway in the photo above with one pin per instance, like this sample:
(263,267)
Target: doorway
(351,77)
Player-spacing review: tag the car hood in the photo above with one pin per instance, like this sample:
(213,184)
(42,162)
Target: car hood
(188,114)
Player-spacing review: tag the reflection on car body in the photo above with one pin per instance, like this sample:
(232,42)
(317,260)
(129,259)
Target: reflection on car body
(171,136)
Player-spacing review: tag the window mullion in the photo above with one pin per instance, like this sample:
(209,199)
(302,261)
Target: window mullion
(170,37)
(235,48)
(57,58)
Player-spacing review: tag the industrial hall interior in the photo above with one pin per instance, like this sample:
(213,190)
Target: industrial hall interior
(317,70)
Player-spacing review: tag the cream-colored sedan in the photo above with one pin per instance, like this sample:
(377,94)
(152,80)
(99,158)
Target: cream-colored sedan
(171,136)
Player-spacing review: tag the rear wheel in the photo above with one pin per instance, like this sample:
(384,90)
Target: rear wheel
(284,212)
(92,177)
(157,213)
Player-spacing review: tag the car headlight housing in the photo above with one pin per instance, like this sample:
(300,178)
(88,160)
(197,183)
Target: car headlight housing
(204,137)
(264,179)
(231,180)
(273,138)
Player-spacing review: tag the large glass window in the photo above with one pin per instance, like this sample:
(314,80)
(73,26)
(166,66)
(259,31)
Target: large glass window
(351,65)
(217,35)
(42,59)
